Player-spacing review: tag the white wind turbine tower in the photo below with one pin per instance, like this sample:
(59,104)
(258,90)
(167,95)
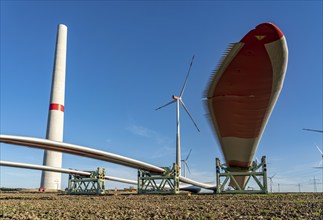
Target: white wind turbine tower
(185,165)
(179,100)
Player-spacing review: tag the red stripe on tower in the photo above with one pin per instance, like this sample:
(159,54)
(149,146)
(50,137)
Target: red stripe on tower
(55,106)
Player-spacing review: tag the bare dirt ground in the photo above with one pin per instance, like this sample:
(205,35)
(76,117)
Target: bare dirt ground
(18,205)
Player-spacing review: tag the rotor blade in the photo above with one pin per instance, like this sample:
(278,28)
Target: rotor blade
(319,149)
(189,114)
(307,129)
(188,73)
(165,105)
(187,167)
(188,155)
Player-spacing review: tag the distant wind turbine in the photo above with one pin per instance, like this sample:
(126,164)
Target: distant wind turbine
(321,152)
(271,182)
(321,162)
(179,100)
(186,165)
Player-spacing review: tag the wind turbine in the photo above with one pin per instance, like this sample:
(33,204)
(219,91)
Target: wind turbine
(179,100)
(321,162)
(185,164)
(271,182)
(321,151)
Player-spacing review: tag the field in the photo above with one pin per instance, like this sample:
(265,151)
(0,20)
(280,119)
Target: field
(24,205)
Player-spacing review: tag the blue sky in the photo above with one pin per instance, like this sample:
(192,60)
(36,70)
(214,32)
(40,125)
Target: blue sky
(127,58)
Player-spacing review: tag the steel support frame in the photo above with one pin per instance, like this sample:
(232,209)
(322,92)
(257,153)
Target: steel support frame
(252,173)
(156,183)
(87,185)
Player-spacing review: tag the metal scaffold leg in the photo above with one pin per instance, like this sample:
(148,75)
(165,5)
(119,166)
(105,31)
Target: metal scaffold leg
(257,172)
(87,185)
(156,183)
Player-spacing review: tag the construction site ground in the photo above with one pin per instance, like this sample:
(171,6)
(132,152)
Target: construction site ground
(118,205)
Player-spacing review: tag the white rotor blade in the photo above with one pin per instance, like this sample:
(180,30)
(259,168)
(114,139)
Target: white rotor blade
(77,150)
(319,149)
(185,82)
(189,114)
(165,105)
(61,170)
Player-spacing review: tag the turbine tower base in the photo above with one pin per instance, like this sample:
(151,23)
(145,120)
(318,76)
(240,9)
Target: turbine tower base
(257,172)
(156,183)
(84,185)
